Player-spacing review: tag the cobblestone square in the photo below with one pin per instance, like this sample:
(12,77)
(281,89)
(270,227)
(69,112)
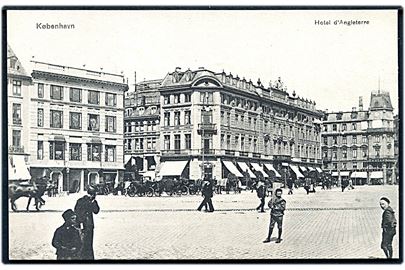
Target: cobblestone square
(325,225)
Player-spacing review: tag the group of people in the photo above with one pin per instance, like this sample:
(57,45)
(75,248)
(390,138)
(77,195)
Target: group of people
(74,239)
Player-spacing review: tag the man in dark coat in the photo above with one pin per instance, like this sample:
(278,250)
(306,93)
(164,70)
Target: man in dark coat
(277,206)
(388,226)
(261,194)
(207,193)
(67,238)
(85,207)
(290,185)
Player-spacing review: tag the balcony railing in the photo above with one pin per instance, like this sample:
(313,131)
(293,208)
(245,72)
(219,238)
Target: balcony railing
(282,157)
(173,152)
(15,149)
(243,154)
(208,151)
(230,152)
(256,155)
(207,128)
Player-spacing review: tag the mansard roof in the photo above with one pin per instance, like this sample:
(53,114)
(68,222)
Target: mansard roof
(380,100)
(19,69)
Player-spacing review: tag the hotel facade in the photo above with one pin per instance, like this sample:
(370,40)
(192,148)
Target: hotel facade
(212,124)
(359,144)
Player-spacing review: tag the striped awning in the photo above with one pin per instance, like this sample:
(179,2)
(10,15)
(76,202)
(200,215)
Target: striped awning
(358,175)
(296,171)
(318,169)
(232,168)
(173,168)
(303,168)
(344,173)
(245,168)
(271,168)
(259,168)
(335,174)
(21,171)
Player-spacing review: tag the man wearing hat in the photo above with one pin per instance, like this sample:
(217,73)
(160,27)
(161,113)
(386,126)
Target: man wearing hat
(388,226)
(261,194)
(207,193)
(85,207)
(67,238)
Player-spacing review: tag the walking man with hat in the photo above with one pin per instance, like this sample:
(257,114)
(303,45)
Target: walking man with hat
(388,225)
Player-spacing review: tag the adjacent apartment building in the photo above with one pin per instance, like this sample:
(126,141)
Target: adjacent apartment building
(212,124)
(18,87)
(76,123)
(360,143)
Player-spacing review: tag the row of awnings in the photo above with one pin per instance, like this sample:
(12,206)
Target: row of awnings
(373,175)
(18,170)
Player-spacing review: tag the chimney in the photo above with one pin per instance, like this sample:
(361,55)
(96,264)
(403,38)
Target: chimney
(360,103)
(178,69)
(201,68)
(354,109)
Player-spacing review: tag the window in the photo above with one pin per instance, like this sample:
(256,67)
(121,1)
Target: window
(187,138)
(177,118)
(344,153)
(334,154)
(167,142)
(228,118)
(236,143)
(344,140)
(206,97)
(75,120)
(325,154)
(56,119)
(334,140)
(57,150)
(344,127)
(255,145)
(40,90)
(93,97)
(222,141)
(177,98)
(40,118)
(110,124)
(334,127)
(75,95)
(16,88)
(228,141)
(187,117)
(377,152)
(206,117)
(354,152)
(354,126)
(344,166)
(94,122)
(187,97)
(94,152)
(167,99)
(364,139)
(40,150)
(377,139)
(242,143)
(354,165)
(56,92)
(16,114)
(325,140)
(335,166)
(75,151)
(167,119)
(111,99)
(177,142)
(110,151)
(354,139)
(17,138)
(364,152)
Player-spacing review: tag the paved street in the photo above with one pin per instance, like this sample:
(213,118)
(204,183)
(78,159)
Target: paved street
(327,224)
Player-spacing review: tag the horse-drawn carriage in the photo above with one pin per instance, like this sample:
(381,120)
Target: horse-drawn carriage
(33,189)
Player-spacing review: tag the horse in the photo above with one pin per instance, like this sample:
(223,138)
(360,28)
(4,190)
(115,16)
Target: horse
(35,190)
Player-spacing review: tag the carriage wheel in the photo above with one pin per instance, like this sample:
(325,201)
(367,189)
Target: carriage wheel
(131,193)
(185,190)
(191,191)
(149,192)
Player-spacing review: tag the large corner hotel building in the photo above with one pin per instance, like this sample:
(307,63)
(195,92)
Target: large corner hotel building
(200,122)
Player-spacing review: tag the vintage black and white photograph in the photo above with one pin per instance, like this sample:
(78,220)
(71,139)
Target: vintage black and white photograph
(154,134)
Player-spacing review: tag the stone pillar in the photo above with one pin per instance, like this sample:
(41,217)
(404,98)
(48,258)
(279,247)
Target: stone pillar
(145,163)
(368,177)
(393,176)
(384,173)
(81,183)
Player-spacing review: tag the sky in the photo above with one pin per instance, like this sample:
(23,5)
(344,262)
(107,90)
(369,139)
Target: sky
(330,64)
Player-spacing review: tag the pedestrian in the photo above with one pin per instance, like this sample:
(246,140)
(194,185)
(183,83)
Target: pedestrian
(344,184)
(388,226)
(277,206)
(290,185)
(67,239)
(261,194)
(207,193)
(307,184)
(85,208)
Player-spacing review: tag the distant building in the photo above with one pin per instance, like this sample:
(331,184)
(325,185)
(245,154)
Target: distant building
(18,88)
(359,144)
(396,147)
(76,120)
(212,124)
(141,128)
